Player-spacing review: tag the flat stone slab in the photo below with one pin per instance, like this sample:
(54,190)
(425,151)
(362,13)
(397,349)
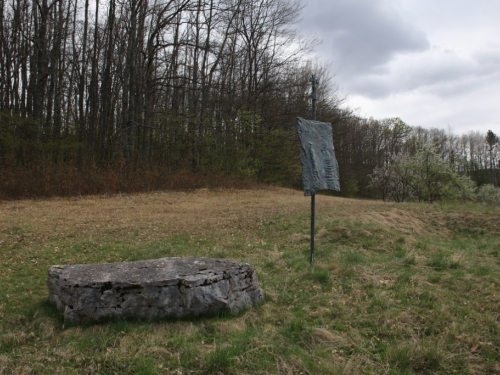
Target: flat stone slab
(152,289)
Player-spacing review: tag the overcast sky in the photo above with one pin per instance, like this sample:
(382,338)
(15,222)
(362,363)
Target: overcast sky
(433,63)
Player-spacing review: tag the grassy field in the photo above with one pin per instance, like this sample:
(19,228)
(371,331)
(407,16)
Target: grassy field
(397,288)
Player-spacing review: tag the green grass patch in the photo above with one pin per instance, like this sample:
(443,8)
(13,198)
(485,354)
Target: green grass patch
(384,296)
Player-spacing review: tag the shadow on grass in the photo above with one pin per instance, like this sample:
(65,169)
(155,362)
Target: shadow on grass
(120,324)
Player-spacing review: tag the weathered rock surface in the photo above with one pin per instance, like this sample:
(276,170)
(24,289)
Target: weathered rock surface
(152,289)
(320,170)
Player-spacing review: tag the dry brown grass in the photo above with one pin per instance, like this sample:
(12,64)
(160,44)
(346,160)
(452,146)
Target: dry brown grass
(201,212)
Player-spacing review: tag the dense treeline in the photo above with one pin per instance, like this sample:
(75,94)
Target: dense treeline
(130,95)
(193,85)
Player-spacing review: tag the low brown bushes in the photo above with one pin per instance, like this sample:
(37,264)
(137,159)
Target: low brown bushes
(67,181)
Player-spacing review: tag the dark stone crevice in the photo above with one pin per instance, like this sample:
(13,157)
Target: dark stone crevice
(105,286)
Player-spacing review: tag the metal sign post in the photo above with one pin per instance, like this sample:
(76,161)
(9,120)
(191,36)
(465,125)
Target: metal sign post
(314,98)
(320,170)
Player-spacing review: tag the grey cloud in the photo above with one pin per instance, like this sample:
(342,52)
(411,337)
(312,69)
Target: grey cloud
(441,73)
(371,86)
(361,36)
(383,60)
(489,58)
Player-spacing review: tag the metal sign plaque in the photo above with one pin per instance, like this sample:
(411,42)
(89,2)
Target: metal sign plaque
(320,170)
